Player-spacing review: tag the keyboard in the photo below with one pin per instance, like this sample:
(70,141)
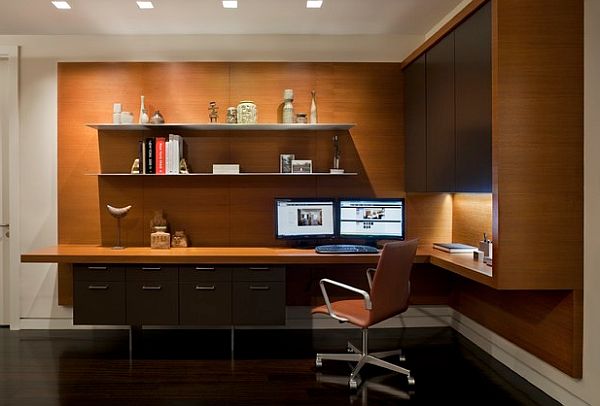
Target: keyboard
(345,249)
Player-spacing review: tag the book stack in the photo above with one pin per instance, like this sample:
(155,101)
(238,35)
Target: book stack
(161,155)
(453,248)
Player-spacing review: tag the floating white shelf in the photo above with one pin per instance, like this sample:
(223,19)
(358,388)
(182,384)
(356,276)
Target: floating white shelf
(224,127)
(228,174)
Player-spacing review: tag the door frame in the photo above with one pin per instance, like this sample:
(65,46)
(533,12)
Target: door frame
(11,53)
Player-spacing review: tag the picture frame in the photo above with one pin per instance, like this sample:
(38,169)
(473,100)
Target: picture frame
(301,166)
(285,163)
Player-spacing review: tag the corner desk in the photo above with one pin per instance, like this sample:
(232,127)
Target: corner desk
(208,286)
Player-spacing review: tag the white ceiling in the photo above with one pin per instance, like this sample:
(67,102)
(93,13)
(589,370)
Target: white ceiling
(22,17)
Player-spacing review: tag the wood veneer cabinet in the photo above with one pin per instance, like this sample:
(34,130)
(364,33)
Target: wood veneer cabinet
(536,94)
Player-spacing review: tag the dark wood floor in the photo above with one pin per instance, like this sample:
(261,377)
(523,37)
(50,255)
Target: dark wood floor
(270,367)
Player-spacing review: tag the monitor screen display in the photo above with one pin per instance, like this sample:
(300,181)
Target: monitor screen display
(304,218)
(371,218)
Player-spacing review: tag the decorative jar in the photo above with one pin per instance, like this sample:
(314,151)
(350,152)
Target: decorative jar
(246,112)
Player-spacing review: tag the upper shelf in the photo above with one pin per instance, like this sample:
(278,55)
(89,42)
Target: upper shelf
(225,127)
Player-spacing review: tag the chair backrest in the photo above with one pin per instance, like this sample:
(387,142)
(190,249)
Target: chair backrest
(391,284)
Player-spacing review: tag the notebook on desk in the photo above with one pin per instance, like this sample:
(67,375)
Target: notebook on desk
(453,248)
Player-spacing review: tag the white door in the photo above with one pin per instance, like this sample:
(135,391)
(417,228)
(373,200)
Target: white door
(4,249)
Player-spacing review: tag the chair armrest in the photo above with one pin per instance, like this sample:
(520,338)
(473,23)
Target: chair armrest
(370,277)
(365,295)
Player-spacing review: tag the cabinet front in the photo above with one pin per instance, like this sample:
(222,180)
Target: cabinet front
(206,303)
(256,303)
(152,302)
(415,124)
(99,302)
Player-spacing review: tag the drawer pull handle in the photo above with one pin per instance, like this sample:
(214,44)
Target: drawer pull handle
(151,287)
(205,268)
(145,268)
(205,287)
(260,287)
(259,268)
(98,287)
(97,268)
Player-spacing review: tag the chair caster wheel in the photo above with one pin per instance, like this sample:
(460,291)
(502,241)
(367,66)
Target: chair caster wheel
(318,362)
(410,380)
(402,358)
(354,383)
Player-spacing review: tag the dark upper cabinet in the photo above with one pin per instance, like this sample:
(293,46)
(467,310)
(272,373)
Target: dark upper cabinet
(448,112)
(473,102)
(440,116)
(415,125)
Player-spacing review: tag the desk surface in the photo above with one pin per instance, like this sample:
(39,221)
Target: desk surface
(462,264)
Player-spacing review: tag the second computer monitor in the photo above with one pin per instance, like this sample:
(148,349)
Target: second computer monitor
(371,218)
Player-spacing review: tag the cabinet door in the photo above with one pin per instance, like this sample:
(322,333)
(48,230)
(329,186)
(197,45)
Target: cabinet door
(206,303)
(258,303)
(440,116)
(152,302)
(99,302)
(415,127)
(473,81)
(259,273)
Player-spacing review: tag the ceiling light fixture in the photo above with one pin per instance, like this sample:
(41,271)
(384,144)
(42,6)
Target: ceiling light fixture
(229,3)
(314,3)
(61,5)
(145,5)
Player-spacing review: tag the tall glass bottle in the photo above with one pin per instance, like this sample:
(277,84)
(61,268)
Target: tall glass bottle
(313,108)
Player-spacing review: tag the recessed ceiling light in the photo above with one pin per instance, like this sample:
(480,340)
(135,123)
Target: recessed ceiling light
(229,3)
(61,5)
(314,3)
(145,5)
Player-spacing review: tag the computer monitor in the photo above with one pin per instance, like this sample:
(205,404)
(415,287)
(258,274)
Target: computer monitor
(297,218)
(371,219)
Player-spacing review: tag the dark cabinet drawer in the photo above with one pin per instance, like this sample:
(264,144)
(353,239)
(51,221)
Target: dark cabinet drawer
(259,273)
(194,273)
(97,302)
(152,302)
(98,272)
(258,302)
(152,273)
(206,303)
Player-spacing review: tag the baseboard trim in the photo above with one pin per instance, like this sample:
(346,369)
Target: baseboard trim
(539,373)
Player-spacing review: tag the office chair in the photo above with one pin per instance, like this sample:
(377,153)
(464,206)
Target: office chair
(390,289)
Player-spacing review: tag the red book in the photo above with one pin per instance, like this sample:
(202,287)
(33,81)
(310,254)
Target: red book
(160,156)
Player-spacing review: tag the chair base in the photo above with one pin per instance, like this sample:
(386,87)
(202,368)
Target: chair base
(364,357)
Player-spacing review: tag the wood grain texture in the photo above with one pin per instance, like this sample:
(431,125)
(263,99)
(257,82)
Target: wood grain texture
(546,324)
(471,217)
(537,138)
(429,217)
(219,211)
(65,284)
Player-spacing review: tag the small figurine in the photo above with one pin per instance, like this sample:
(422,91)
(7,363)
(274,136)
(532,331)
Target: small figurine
(135,168)
(157,118)
(213,114)
(179,240)
(183,167)
(231,115)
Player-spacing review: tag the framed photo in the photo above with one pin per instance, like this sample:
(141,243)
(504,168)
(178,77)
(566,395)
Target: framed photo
(285,163)
(301,166)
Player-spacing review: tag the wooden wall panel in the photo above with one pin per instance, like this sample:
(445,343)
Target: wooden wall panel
(547,324)
(537,143)
(369,95)
(471,217)
(429,217)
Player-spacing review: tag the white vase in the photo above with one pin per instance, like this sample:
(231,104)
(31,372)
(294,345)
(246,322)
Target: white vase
(313,108)
(144,119)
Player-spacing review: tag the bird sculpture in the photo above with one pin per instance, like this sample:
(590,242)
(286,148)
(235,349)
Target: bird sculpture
(118,213)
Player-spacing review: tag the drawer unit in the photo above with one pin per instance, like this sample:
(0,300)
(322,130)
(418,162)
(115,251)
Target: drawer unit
(258,302)
(259,273)
(152,302)
(98,272)
(205,303)
(99,302)
(198,273)
(152,273)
